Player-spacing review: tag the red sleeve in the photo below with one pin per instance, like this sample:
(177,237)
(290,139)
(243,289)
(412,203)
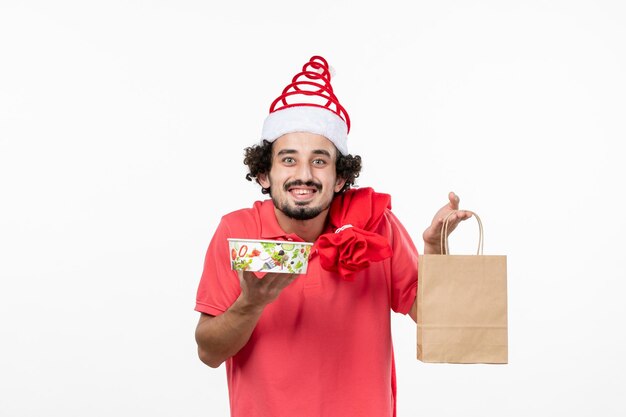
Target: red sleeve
(219,285)
(403,266)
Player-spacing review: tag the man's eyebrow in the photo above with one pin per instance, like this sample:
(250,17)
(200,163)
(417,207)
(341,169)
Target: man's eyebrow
(286,151)
(293,151)
(321,152)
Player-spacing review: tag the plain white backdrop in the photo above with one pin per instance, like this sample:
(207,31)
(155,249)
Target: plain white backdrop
(122,128)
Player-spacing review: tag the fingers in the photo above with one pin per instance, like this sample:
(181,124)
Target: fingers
(454,200)
(432,235)
(282,281)
(457,218)
(262,291)
(270,281)
(460,216)
(454,205)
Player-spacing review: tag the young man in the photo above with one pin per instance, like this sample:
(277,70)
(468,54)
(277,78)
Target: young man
(317,344)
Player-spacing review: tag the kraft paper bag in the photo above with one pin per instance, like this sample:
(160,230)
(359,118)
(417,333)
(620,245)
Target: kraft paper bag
(462,306)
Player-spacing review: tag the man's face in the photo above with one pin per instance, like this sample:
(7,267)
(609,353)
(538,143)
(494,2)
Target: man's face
(303,177)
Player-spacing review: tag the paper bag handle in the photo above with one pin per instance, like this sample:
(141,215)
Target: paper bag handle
(444,233)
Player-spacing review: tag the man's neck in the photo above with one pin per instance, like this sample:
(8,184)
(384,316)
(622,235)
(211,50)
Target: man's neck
(308,230)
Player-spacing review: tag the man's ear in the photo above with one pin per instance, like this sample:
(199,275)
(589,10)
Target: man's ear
(339,184)
(263,180)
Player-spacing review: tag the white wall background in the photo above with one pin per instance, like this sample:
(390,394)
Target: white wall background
(122,125)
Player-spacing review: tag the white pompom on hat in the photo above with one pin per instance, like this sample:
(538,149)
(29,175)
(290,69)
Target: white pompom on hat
(308,104)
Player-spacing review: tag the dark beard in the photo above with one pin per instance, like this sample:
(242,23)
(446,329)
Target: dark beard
(300,212)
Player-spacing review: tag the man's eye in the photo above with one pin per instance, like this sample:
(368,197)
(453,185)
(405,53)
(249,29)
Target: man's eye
(319,162)
(288,160)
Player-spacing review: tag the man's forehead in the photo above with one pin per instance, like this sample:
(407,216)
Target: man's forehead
(304,143)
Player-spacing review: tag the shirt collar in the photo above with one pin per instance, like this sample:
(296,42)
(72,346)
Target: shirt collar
(270,229)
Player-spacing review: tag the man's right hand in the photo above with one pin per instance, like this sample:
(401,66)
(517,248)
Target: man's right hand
(259,292)
(220,337)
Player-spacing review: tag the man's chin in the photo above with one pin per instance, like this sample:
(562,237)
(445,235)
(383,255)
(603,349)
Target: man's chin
(301,212)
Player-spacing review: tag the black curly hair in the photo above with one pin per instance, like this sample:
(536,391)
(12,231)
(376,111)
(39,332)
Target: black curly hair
(258,158)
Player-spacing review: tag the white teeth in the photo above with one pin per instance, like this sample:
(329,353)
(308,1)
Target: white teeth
(301,192)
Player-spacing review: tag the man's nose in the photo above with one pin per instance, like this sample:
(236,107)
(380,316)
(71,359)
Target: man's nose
(304,172)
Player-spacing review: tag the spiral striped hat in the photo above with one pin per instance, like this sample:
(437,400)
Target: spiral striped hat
(308,104)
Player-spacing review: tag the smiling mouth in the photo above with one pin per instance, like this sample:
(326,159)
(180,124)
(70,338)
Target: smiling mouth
(302,191)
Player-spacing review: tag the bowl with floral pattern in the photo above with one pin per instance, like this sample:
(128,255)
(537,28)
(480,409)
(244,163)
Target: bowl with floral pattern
(286,257)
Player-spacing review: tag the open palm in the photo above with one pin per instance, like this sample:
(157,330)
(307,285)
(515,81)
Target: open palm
(432,235)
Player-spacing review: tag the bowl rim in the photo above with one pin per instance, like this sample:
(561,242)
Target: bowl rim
(290,242)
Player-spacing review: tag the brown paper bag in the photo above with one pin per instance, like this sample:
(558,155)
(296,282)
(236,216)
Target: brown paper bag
(462,306)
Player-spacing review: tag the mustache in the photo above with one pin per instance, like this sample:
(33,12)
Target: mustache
(299,183)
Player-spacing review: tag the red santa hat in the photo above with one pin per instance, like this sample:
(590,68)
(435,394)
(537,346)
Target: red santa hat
(308,104)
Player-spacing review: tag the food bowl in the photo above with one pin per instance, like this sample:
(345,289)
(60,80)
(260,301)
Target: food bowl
(269,255)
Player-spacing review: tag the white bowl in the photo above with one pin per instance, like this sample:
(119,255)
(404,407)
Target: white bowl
(269,255)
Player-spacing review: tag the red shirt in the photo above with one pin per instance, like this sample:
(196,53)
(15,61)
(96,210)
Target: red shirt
(323,348)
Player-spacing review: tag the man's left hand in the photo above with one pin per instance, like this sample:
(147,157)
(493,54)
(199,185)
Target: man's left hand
(432,235)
